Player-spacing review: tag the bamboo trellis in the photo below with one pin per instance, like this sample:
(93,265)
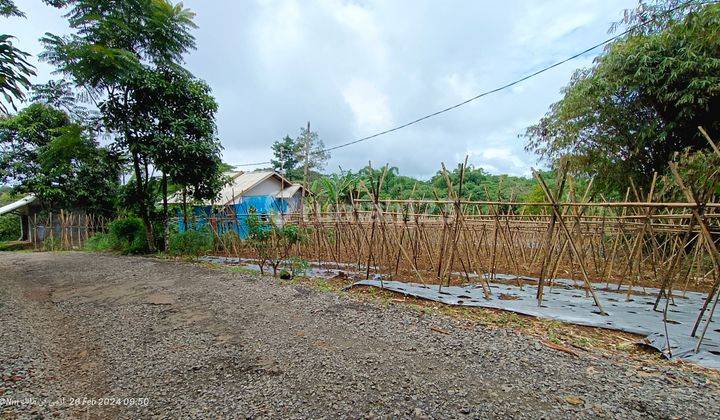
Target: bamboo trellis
(670,246)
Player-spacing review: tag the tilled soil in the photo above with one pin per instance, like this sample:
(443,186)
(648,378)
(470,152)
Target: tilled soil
(152,338)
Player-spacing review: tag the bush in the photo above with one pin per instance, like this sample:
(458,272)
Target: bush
(128,236)
(9,227)
(191,242)
(52,244)
(298,266)
(99,242)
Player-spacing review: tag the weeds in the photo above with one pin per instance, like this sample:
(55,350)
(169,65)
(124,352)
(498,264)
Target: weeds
(191,242)
(99,242)
(323,285)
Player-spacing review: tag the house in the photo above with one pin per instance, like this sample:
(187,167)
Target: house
(267,193)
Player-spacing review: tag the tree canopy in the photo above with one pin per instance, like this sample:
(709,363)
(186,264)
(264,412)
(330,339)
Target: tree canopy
(49,155)
(290,155)
(15,70)
(126,53)
(478,185)
(286,158)
(641,101)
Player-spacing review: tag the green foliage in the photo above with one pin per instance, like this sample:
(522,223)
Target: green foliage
(9,227)
(310,147)
(15,70)
(287,159)
(289,155)
(52,244)
(100,242)
(128,235)
(9,223)
(191,242)
(15,246)
(335,189)
(49,155)
(298,266)
(172,115)
(642,100)
(114,39)
(698,170)
(120,51)
(8,8)
(60,95)
(342,188)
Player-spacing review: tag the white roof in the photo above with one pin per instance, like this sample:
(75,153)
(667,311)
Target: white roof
(240,183)
(289,191)
(18,204)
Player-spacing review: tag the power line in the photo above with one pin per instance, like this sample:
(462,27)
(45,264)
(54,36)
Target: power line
(510,84)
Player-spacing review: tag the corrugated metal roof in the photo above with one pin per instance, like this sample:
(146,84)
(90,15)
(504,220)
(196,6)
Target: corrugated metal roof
(18,204)
(289,191)
(240,183)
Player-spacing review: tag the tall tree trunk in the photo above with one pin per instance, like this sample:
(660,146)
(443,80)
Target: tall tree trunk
(166,229)
(144,213)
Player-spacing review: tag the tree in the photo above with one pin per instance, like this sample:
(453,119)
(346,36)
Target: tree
(173,117)
(15,69)
(310,152)
(287,158)
(49,155)
(59,94)
(335,189)
(114,42)
(641,101)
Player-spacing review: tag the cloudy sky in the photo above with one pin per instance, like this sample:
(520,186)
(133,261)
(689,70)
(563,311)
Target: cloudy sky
(353,68)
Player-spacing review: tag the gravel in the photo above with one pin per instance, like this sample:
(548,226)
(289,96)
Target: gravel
(166,339)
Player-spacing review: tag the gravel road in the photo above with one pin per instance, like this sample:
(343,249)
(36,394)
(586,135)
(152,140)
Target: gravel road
(153,338)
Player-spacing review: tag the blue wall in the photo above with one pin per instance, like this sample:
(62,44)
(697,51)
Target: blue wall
(262,204)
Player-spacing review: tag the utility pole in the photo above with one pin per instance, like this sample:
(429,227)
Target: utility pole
(307,155)
(307,139)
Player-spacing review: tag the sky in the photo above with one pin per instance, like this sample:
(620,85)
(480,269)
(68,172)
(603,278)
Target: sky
(353,68)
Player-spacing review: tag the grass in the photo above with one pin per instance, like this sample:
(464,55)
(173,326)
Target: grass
(323,285)
(239,269)
(15,246)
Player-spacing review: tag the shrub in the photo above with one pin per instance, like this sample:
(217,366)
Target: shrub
(128,235)
(9,227)
(191,242)
(99,242)
(51,244)
(298,266)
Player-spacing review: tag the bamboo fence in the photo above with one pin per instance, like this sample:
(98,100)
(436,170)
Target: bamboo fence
(64,230)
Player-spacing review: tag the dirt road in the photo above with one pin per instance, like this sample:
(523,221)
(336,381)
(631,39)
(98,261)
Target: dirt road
(107,336)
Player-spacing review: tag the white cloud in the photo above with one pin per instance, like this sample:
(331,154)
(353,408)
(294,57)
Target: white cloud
(369,106)
(461,86)
(499,160)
